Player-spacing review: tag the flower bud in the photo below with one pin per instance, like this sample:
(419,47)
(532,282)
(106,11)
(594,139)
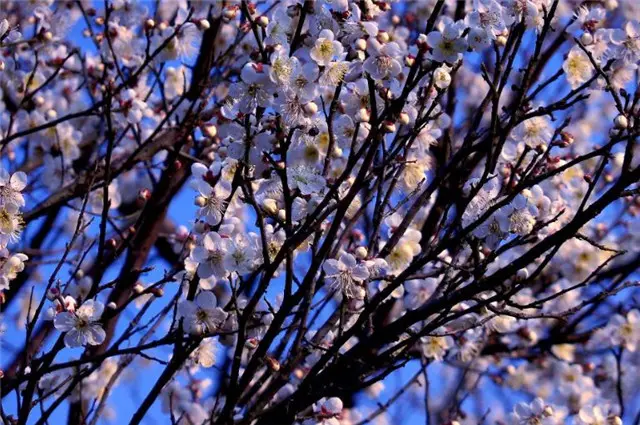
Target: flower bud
(157,292)
(144,195)
(567,139)
(389,127)
(200,227)
(310,108)
(611,4)
(363,115)
(112,306)
(404,118)
(282,215)
(204,24)
(53,293)
(522,274)
(621,122)
(586,38)
(210,130)
(383,37)
(138,288)
(501,40)
(332,406)
(229,14)
(149,24)
(263,21)
(270,206)
(200,201)
(361,44)
(273,364)
(614,420)
(361,252)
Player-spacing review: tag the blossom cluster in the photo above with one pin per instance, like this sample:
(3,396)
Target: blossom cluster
(270,209)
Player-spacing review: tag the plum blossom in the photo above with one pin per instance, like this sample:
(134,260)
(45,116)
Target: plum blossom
(383,61)
(11,187)
(326,49)
(577,68)
(202,314)
(82,326)
(448,45)
(305,179)
(347,275)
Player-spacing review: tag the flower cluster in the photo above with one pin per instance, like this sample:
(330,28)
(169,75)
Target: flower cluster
(316,200)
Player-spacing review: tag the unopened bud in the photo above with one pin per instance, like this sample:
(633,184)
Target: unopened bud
(522,274)
(404,118)
(138,288)
(310,108)
(157,292)
(204,24)
(567,138)
(361,44)
(270,206)
(621,122)
(501,40)
(363,115)
(389,127)
(383,37)
(200,201)
(210,130)
(53,293)
(586,38)
(229,14)
(112,306)
(144,195)
(361,252)
(614,420)
(149,24)
(263,21)
(273,364)
(252,343)
(282,215)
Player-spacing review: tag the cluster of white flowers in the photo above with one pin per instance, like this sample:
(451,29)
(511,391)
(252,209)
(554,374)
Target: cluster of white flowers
(463,175)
